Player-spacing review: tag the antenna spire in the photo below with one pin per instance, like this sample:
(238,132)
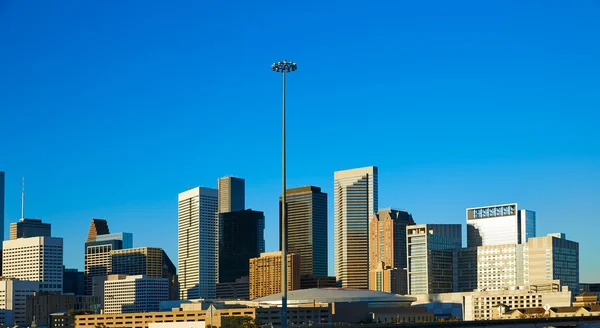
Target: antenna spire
(23,198)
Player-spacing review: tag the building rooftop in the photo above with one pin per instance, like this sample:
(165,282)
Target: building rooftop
(332,295)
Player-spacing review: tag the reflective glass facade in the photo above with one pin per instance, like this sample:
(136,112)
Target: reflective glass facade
(499,225)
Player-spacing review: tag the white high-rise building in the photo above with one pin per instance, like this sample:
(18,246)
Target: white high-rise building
(35,259)
(198,242)
(499,225)
(355,203)
(134,294)
(13,298)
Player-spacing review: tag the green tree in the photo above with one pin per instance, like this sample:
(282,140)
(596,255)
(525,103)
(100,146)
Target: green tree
(239,322)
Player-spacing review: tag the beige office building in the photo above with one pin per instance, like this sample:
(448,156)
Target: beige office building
(553,257)
(265,274)
(130,294)
(387,251)
(483,305)
(355,199)
(152,262)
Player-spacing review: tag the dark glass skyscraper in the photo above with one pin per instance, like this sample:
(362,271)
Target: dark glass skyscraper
(307,228)
(241,237)
(26,228)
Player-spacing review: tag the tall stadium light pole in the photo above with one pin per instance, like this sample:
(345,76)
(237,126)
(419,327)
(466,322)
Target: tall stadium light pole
(283,67)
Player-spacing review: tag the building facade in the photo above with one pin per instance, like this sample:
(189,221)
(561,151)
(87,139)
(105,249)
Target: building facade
(241,237)
(499,225)
(232,194)
(387,251)
(483,305)
(355,202)
(265,274)
(13,299)
(197,242)
(553,258)
(130,294)
(151,262)
(73,282)
(40,306)
(26,228)
(2,178)
(236,290)
(35,259)
(430,250)
(98,253)
(307,228)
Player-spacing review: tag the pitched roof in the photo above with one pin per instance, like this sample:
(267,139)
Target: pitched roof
(590,294)
(97,227)
(567,309)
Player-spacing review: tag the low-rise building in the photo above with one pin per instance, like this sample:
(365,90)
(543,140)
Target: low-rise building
(131,294)
(480,305)
(305,308)
(40,306)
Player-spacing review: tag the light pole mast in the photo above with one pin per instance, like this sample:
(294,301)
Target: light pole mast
(283,67)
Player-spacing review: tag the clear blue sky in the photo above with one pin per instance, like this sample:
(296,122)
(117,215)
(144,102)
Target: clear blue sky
(110,108)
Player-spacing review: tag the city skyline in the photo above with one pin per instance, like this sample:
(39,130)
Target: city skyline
(495,103)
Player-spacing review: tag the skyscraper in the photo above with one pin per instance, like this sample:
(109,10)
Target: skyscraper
(98,247)
(241,237)
(387,249)
(232,194)
(431,250)
(499,225)
(152,262)
(265,274)
(197,242)
(1,206)
(355,202)
(35,259)
(307,228)
(26,228)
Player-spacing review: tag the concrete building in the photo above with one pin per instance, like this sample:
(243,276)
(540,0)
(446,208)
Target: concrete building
(26,228)
(431,265)
(98,250)
(241,237)
(73,282)
(236,290)
(2,178)
(466,269)
(307,228)
(40,306)
(480,305)
(538,261)
(37,259)
(387,251)
(501,266)
(151,262)
(265,274)
(499,225)
(197,242)
(130,294)
(553,258)
(232,194)
(13,299)
(355,200)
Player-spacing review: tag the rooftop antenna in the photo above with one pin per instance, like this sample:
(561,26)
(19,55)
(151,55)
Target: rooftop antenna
(23,198)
